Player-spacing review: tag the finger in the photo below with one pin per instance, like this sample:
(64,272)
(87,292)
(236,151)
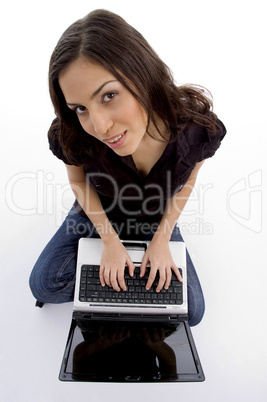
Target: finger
(101,276)
(143,266)
(113,281)
(162,280)
(151,278)
(103,335)
(121,280)
(156,336)
(115,333)
(144,335)
(122,334)
(106,277)
(177,273)
(168,278)
(162,334)
(131,266)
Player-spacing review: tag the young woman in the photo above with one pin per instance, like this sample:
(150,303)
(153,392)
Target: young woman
(133,143)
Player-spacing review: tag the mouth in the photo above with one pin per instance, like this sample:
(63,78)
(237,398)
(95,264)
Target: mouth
(116,141)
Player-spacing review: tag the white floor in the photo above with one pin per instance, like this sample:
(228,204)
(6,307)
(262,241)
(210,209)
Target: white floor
(224,224)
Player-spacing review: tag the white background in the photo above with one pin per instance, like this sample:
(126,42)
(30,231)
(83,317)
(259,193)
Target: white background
(220,45)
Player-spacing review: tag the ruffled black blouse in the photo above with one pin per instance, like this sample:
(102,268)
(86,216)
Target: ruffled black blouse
(127,195)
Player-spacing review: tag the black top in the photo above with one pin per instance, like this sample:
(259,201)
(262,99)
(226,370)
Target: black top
(125,194)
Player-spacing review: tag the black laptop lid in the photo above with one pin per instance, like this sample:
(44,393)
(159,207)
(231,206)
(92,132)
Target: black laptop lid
(130,352)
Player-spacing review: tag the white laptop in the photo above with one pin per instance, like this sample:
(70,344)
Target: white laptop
(131,336)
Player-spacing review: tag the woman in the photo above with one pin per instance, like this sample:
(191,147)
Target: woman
(133,143)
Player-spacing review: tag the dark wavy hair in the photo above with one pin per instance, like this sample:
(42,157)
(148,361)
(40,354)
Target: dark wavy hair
(107,39)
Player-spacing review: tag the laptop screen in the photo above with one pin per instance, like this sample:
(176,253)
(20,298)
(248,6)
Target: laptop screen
(122,351)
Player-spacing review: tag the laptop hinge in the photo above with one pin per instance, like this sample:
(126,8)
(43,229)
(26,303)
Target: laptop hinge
(172,318)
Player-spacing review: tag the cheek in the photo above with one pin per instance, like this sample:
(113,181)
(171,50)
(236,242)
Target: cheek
(87,127)
(137,114)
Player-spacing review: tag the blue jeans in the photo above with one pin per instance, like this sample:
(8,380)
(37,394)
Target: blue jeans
(53,277)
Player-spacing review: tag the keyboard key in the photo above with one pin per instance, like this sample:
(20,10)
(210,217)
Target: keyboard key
(91,287)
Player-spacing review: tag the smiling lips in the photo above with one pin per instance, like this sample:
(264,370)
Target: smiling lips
(117,141)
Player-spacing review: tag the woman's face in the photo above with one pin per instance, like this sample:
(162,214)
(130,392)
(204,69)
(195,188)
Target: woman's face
(105,108)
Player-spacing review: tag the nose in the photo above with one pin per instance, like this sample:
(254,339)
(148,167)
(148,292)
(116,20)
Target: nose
(101,122)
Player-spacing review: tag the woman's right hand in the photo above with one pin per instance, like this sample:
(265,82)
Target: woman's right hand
(112,266)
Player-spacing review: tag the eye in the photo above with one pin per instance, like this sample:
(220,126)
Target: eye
(80,109)
(109,96)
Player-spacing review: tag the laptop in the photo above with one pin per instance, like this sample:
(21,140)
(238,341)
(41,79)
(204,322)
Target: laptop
(129,336)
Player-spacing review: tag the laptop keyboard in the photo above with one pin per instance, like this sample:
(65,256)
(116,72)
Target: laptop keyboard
(92,291)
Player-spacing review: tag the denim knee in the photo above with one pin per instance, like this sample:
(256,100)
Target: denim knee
(52,281)
(62,293)
(196,310)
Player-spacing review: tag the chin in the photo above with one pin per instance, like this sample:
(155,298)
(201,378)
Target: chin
(124,151)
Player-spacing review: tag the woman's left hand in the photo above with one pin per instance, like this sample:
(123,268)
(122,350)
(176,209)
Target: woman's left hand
(159,256)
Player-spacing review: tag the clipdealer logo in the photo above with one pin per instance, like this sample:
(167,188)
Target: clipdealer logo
(244,201)
(44,196)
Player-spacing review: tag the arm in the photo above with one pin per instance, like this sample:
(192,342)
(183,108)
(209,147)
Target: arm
(154,339)
(158,252)
(114,255)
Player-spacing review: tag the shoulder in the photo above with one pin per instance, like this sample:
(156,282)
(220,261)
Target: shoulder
(196,134)
(54,141)
(77,152)
(201,140)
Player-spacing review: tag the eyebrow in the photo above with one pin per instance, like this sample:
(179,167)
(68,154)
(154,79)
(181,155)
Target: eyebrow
(95,93)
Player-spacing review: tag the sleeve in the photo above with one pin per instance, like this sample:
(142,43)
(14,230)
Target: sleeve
(54,144)
(198,143)
(212,141)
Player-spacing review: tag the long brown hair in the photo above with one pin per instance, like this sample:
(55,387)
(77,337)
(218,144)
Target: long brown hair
(109,40)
